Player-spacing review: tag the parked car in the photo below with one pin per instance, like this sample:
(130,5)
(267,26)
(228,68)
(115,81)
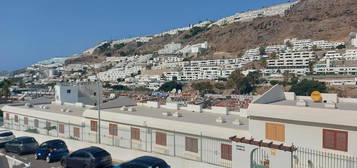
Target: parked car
(22,145)
(92,157)
(144,162)
(52,150)
(5,137)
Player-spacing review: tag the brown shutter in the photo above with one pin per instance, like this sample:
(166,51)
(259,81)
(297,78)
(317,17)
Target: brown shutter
(93,125)
(341,141)
(226,151)
(26,120)
(135,133)
(113,129)
(76,132)
(16,118)
(191,144)
(161,138)
(61,128)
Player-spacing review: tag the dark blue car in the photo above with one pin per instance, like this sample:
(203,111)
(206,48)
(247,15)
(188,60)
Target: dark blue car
(92,157)
(22,145)
(52,150)
(144,162)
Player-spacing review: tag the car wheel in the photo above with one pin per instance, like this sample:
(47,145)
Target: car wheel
(48,159)
(36,157)
(63,163)
(86,166)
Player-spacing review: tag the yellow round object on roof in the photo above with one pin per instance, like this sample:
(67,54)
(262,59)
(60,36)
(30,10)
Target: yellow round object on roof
(316,96)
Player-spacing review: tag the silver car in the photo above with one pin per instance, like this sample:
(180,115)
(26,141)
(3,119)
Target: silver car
(5,137)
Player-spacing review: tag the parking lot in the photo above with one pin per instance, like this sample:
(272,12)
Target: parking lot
(31,159)
(37,163)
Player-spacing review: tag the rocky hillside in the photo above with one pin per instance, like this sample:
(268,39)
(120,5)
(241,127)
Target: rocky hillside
(315,19)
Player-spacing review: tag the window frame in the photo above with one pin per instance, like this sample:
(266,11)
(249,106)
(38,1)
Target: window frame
(113,129)
(226,151)
(335,140)
(61,128)
(16,118)
(272,131)
(135,133)
(93,125)
(161,138)
(36,123)
(191,144)
(26,120)
(76,132)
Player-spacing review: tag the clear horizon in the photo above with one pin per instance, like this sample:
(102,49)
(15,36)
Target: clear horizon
(33,31)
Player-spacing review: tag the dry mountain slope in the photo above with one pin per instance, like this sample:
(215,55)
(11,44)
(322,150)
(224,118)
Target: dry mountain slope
(315,19)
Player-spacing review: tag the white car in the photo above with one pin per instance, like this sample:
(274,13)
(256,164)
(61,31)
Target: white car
(6,136)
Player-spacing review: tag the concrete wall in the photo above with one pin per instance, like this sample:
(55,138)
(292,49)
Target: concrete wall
(242,154)
(61,94)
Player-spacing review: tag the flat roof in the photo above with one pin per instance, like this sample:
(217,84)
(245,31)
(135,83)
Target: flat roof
(204,118)
(55,108)
(341,106)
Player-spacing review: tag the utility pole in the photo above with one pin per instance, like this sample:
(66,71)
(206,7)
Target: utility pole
(98,107)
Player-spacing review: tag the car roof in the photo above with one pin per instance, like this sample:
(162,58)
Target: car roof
(23,138)
(54,141)
(149,160)
(2,131)
(92,149)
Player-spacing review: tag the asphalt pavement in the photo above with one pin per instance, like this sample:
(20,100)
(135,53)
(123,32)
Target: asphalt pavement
(31,159)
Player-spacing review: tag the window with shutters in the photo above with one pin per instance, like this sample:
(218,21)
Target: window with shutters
(16,118)
(61,128)
(48,124)
(7,116)
(26,121)
(36,123)
(275,132)
(161,138)
(135,133)
(191,144)
(76,132)
(336,140)
(113,129)
(93,125)
(226,151)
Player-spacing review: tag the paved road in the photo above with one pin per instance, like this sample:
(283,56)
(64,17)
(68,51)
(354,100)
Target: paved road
(34,163)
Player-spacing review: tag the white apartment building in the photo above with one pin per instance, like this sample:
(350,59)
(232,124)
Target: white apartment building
(194,49)
(173,74)
(333,55)
(275,49)
(171,65)
(112,75)
(335,67)
(350,54)
(171,48)
(293,62)
(167,59)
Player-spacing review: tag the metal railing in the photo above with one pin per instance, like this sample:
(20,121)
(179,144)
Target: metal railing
(208,149)
(310,158)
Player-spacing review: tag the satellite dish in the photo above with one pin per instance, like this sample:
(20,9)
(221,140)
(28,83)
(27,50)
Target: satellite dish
(316,96)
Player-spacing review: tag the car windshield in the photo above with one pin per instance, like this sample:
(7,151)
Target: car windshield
(44,145)
(6,134)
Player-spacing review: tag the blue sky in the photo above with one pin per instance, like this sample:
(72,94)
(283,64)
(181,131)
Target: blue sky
(31,31)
